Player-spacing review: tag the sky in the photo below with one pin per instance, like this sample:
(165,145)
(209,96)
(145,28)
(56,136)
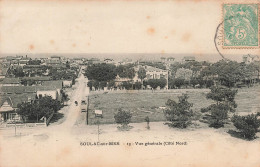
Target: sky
(113,27)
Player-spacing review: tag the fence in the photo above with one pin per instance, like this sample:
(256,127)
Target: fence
(23,125)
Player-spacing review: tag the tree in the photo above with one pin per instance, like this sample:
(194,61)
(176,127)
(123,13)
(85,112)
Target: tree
(44,106)
(67,65)
(159,65)
(127,85)
(218,115)
(141,74)
(194,82)
(247,125)
(225,102)
(90,84)
(18,72)
(111,84)
(178,82)
(123,118)
(171,83)
(96,85)
(179,114)
(184,73)
(138,85)
(126,71)
(162,82)
(153,83)
(101,72)
(225,95)
(102,84)
(209,83)
(147,120)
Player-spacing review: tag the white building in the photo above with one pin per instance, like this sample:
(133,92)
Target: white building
(53,93)
(250,58)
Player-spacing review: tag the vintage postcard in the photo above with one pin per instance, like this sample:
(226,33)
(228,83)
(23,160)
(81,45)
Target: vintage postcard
(129,83)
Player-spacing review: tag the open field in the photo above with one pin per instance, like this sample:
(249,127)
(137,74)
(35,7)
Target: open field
(148,103)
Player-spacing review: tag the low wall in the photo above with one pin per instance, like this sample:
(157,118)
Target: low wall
(149,91)
(25,125)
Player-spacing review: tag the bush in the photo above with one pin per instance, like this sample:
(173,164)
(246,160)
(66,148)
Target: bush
(247,125)
(137,85)
(154,83)
(178,82)
(102,84)
(224,102)
(209,83)
(123,117)
(147,120)
(218,114)
(90,84)
(127,85)
(179,113)
(111,84)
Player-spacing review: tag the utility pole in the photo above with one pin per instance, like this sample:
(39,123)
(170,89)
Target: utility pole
(87,110)
(14,127)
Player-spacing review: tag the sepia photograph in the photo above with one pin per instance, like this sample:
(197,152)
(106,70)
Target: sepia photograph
(129,83)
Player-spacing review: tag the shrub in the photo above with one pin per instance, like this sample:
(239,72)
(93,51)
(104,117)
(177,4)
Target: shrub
(179,113)
(96,85)
(127,85)
(111,84)
(137,85)
(178,82)
(247,125)
(154,83)
(209,83)
(102,84)
(147,120)
(224,102)
(90,84)
(218,114)
(123,117)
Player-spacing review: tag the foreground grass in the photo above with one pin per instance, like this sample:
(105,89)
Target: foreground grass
(148,103)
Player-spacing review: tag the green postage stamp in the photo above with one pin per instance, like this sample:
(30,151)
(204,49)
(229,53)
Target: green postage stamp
(241,25)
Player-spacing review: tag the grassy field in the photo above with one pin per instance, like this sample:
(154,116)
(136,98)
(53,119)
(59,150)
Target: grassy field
(148,103)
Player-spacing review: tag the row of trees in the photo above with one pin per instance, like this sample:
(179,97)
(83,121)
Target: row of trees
(108,72)
(104,75)
(191,74)
(227,73)
(193,82)
(153,83)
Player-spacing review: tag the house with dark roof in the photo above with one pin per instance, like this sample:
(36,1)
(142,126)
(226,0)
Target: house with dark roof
(57,84)
(9,105)
(35,80)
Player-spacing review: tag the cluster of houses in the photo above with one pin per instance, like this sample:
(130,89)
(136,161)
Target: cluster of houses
(16,90)
(37,82)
